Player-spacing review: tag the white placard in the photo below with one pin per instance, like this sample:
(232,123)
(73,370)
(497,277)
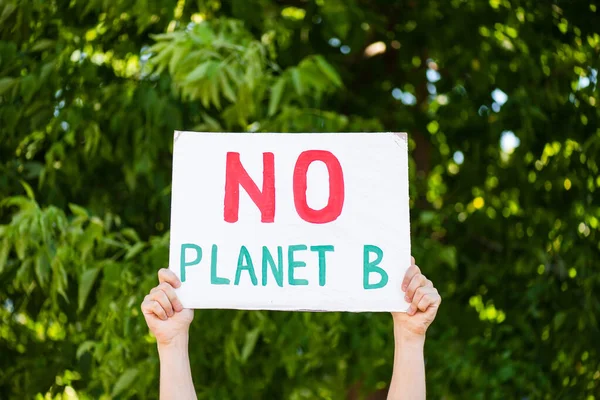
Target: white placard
(277,221)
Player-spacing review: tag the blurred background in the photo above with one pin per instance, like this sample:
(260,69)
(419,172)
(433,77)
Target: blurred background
(500,100)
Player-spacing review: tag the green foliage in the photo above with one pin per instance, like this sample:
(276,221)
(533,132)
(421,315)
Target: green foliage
(90,93)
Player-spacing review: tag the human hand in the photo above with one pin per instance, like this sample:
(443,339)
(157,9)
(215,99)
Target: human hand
(167,319)
(424,302)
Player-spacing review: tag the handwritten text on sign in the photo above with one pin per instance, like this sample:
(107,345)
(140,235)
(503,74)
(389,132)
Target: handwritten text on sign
(290,221)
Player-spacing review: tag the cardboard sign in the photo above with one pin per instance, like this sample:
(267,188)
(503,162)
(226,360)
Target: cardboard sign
(290,221)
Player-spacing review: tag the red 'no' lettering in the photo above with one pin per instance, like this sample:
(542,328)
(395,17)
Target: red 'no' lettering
(334,206)
(236,176)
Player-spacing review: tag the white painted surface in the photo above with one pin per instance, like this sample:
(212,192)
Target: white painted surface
(375,212)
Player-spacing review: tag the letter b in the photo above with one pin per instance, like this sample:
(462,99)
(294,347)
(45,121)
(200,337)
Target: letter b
(372,267)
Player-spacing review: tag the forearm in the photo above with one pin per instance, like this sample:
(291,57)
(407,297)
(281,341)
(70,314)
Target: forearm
(175,373)
(408,377)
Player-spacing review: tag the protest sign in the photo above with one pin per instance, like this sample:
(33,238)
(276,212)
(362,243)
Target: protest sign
(290,221)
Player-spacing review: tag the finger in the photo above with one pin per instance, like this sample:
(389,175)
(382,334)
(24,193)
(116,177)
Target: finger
(420,293)
(430,303)
(422,306)
(146,306)
(152,307)
(166,275)
(412,260)
(417,281)
(162,298)
(159,311)
(170,292)
(428,300)
(410,273)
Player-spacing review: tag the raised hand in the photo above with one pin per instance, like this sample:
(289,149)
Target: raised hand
(164,314)
(424,302)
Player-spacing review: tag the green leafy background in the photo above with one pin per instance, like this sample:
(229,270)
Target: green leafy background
(500,99)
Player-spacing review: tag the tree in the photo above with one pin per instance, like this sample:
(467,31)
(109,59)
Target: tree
(500,102)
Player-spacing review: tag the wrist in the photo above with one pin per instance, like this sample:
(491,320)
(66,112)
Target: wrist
(412,341)
(177,343)
(406,337)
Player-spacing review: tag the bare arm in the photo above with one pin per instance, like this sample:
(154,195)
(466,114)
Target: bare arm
(175,373)
(408,377)
(169,322)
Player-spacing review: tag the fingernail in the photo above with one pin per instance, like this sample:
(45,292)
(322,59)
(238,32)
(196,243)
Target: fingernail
(407,299)
(411,310)
(404,288)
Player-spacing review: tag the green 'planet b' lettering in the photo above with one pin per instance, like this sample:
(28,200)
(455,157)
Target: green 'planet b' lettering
(277,270)
(322,261)
(245,264)
(214,279)
(183,264)
(293,264)
(372,267)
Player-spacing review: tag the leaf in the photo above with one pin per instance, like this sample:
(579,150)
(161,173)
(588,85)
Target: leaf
(232,75)
(134,250)
(47,69)
(29,86)
(42,268)
(559,320)
(276,93)
(85,286)
(124,381)
(214,94)
(205,96)
(178,53)
(164,36)
(28,190)
(17,201)
(60,280)
(112,242)
(84,348)
(313,77)
(23,274)
(86,243)
(130,234)
(201,71)
(251,338)
(43,44)
(161,58)
(6,83)
(4,250)
(427,217)
(448,255)
(211,122)
(228,91)
(202,34)
(8,9)
(297,80)
(231,348)
(20,246)
(158,47)
(78,210)
(505,373)
(328,70)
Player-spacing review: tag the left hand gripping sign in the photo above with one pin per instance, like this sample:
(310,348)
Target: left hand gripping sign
(290,221)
